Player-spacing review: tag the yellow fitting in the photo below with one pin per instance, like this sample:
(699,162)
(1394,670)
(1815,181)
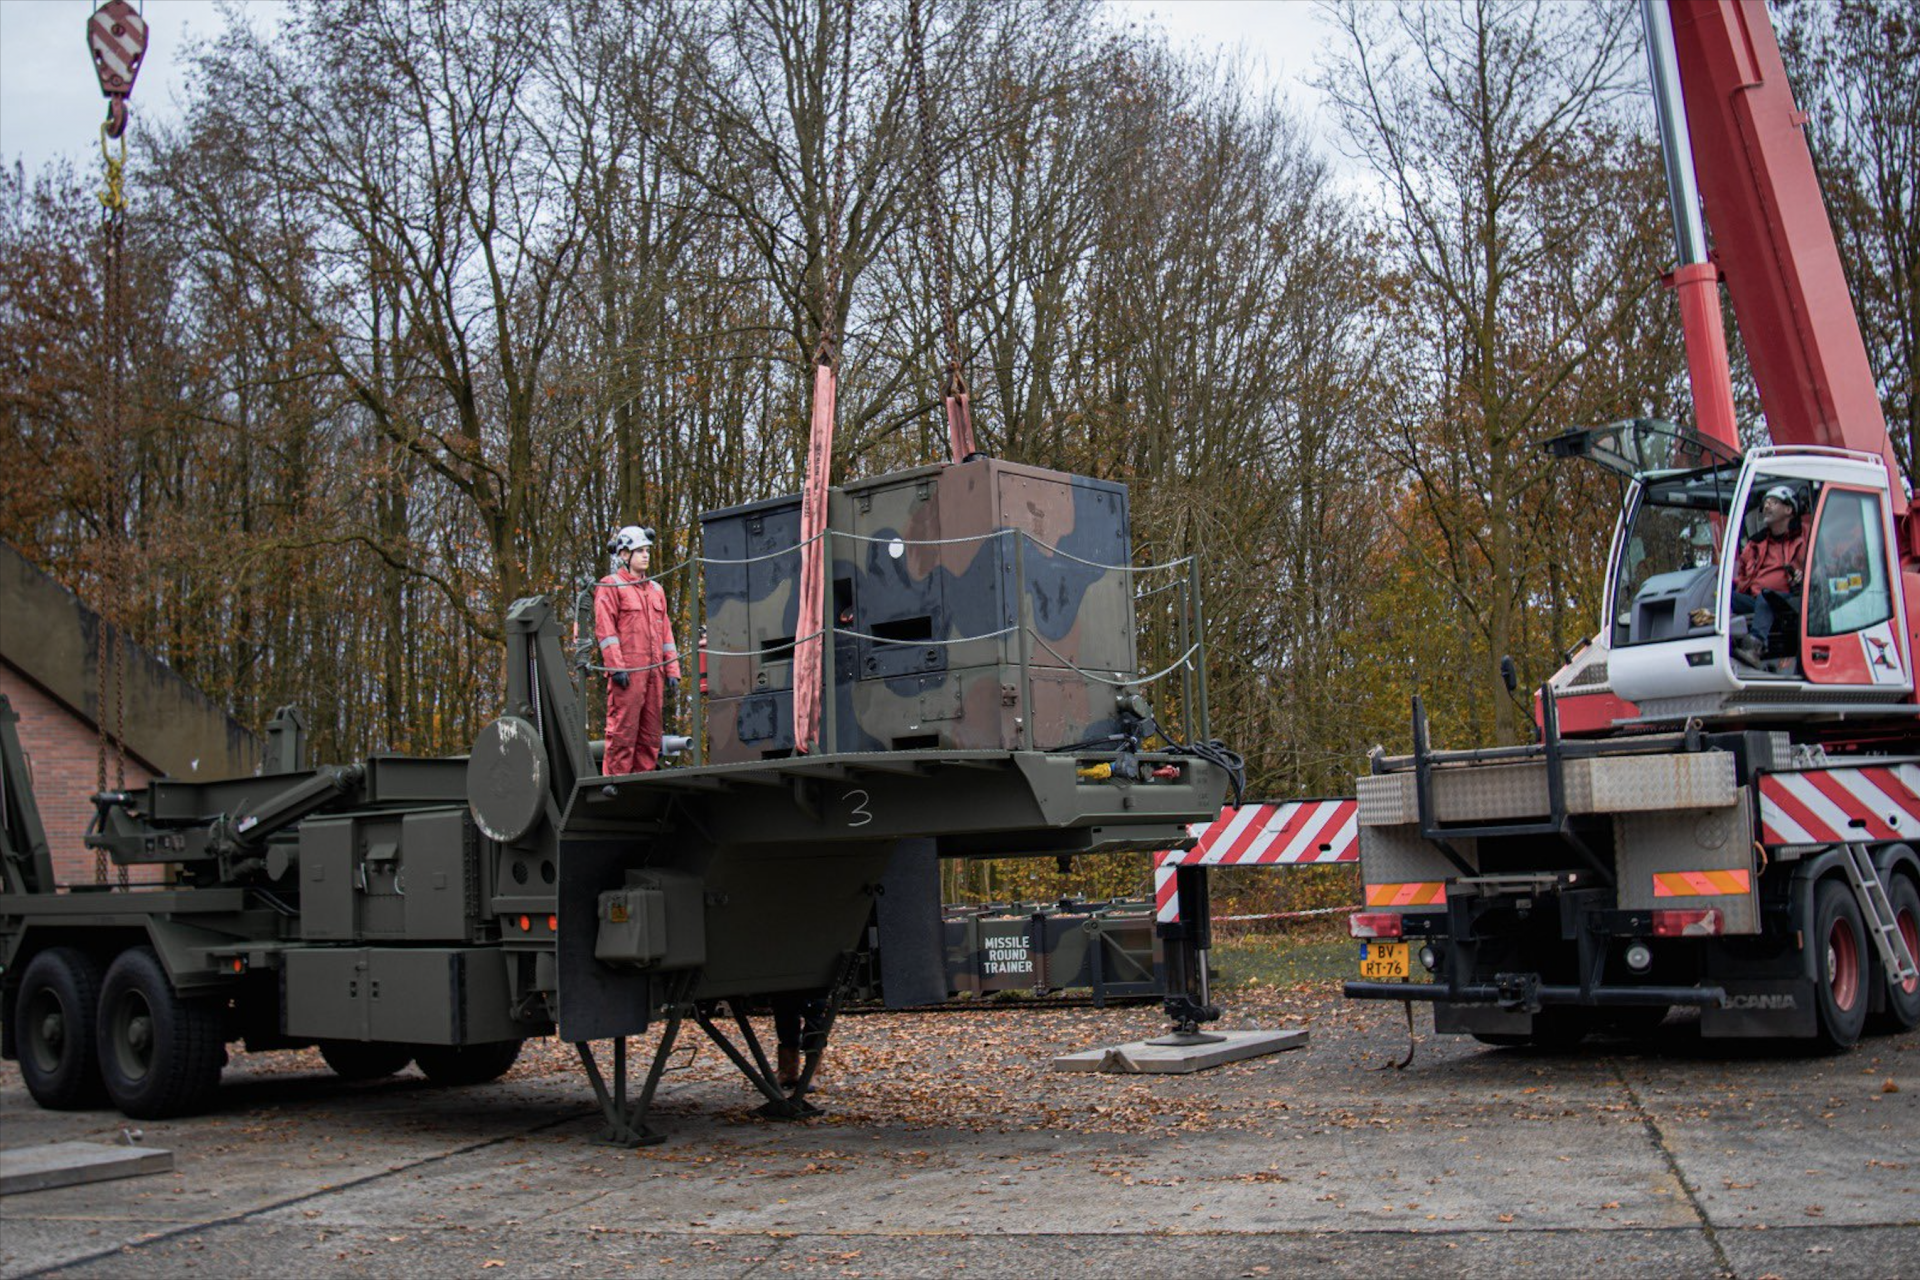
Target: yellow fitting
(114,198)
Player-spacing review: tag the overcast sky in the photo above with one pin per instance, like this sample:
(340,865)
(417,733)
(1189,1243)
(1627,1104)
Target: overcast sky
(50,103)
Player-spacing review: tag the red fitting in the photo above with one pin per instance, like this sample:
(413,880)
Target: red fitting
(1702,923)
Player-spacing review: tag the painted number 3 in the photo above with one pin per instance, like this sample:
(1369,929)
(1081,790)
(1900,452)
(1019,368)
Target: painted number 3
(859,817)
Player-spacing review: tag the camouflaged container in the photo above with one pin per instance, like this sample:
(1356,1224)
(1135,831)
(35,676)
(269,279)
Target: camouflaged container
(924,590)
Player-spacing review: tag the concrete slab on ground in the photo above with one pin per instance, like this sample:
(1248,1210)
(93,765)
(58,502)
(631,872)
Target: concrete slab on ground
(69,1164)
(1143,1057)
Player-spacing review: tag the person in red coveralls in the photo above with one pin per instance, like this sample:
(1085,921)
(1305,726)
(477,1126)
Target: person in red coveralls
(1769,572)
(637,651)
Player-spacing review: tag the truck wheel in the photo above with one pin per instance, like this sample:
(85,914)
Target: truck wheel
(1903,998)
(463,1064)
(159,1054)
(364,1060)
(58,1003)
(1839,945)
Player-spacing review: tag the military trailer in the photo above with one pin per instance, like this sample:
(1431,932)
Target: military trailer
(442,911)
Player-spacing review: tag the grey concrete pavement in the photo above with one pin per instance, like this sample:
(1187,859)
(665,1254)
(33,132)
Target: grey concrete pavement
(949,1146)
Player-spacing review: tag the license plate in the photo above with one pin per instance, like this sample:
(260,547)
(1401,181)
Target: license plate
(1383,959)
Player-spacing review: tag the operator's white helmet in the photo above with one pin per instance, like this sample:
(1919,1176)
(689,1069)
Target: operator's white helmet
(630,538)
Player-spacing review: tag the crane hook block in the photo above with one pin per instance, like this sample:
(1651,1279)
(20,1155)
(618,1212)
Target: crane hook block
(117,35)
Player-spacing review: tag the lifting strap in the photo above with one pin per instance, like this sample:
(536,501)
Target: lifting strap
(959,407)
(810,634)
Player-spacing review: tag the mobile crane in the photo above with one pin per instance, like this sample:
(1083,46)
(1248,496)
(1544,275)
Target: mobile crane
(1719,813)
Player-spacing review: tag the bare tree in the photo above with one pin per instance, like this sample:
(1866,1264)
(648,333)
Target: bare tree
(1491,124)
(1852,65)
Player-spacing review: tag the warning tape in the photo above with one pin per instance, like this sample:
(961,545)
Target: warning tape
(1289,915)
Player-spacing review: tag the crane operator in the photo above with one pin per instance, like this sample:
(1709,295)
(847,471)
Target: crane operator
(1771,568)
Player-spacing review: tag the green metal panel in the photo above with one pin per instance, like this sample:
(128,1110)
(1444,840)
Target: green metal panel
(26,866)
(414,996)
(439,870)
(326,879)
(324,994)
(407,995)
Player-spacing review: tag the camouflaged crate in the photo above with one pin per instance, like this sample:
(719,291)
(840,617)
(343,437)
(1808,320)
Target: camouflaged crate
(929,651)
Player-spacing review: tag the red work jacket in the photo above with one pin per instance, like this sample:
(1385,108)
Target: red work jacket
(630,623)
(1763,563)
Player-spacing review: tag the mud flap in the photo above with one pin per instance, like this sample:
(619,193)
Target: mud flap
(1762,1007)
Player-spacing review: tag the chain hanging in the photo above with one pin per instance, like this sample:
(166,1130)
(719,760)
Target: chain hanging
(117,37)
(827,350)
(957,400)
(100,728)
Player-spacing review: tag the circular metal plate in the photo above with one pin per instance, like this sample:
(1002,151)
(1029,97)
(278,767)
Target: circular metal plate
(507,779)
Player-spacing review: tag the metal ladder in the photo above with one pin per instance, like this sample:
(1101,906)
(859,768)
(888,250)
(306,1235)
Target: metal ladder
(1879,911)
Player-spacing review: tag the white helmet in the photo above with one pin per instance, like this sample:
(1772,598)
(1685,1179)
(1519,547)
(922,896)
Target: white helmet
(630,538)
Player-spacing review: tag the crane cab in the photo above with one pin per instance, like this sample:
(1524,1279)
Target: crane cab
(1687,636)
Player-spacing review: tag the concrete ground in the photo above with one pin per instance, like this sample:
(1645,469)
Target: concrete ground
(947,1147)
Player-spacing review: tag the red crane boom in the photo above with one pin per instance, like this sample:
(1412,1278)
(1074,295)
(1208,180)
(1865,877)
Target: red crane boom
(1773,242)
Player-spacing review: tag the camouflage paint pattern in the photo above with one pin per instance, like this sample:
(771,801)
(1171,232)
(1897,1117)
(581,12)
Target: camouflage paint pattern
(924,580)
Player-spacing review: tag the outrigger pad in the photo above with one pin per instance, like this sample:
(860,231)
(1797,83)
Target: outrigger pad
(1145,1057)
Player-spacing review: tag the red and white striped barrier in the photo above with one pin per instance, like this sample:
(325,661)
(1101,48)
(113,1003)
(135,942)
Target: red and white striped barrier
(1839,806)
(1303,832)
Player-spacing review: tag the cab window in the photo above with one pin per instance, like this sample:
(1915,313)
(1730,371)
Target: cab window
(1847,584)
(1665,570)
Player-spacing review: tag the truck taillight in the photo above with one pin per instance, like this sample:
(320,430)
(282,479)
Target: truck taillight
(1705,923)
(1374,924)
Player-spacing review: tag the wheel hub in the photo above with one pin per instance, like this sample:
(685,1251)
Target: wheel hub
(140,1034)
(1843,964)
(53,1030)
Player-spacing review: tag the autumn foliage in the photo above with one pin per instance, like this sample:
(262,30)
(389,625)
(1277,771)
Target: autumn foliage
(427,298)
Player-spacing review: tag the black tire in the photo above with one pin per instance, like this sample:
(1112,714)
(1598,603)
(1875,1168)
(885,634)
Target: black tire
(160,1055)
(1840,966)
(55,1012)
(364,1060)
(468,1063)
(1902,1012)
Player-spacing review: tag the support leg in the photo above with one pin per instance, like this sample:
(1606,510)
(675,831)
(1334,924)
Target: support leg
(778,1106)
(627,1124)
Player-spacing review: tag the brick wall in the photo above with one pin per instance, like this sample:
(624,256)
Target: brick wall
(64,755)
